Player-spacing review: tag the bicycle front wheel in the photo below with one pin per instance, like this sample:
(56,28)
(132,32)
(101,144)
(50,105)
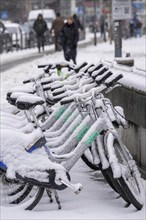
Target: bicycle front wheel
(130,179)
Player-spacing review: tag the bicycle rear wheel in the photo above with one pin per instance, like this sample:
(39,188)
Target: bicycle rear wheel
(130,179)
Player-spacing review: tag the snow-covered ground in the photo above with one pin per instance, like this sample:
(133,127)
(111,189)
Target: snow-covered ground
(97,200)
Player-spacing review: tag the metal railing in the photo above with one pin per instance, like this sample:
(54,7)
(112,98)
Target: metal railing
(15,42)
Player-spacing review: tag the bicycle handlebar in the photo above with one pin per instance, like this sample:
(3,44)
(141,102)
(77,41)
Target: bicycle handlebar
(64,102)
(98,72)
(56,93)
(113,81)
(94,90)
(43,66)
(101,80)
(34,79)
(58,66)
(56,87)
(27,81)
(86,68)
(79,67)
(97,67)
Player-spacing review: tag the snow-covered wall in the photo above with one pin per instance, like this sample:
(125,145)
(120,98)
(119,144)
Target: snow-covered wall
(134,104)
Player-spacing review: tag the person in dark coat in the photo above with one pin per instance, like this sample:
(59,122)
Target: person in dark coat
(77,22)
(131,28)
(40,27)
(57,26)
(103,26)
(69,38)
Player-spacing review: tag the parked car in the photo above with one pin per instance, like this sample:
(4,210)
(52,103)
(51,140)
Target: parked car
(5,39)
(48,15)
(17,34)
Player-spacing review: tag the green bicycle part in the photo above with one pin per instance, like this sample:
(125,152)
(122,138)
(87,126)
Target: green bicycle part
(67,117)
(59,112)
(92,137)
(59,72)
(82,133)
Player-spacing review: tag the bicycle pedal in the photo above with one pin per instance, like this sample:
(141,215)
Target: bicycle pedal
(79,188)
(75,187)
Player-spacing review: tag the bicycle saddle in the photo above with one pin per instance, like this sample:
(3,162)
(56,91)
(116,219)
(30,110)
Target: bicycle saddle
(26,102)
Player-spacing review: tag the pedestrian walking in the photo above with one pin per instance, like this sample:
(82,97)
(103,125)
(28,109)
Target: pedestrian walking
(40,27)
(131,28)
(57,27)
(137,26)
(103,26)
(69,38)
(77,22)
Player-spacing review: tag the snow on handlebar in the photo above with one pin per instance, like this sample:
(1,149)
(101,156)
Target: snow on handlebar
(92,91)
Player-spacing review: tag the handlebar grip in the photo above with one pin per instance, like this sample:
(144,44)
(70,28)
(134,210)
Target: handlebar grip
(27,81)
(95,68)
(64,102)
(113,81)
(58,92)
(56,99)
(46,88)
(98,72)
(42,66)
(88,67)
(48,68)
(77,69)
(103,78)
(57,87)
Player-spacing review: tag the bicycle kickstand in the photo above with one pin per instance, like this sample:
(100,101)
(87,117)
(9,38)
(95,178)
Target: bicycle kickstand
(57,198)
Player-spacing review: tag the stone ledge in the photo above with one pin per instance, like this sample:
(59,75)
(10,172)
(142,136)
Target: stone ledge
(127,61)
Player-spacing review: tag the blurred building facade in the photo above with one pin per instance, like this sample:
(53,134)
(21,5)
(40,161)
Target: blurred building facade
(17,10)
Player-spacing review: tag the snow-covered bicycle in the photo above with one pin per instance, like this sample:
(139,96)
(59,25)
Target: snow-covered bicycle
(101,137)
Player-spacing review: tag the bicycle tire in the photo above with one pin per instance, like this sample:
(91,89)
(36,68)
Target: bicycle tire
(23,196)
(130,180)
(10,189)
(37,198)
(116,186)
(89,163)
(18,190)
(107,176)
(114,183)
(105,172)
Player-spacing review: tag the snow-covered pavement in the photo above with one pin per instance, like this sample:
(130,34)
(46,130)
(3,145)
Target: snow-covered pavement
(97,200)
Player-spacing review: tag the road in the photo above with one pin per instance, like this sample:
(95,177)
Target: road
(20,60)
(12,63)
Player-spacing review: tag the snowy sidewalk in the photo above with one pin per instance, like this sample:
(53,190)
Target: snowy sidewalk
(33,52)
(97,200)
